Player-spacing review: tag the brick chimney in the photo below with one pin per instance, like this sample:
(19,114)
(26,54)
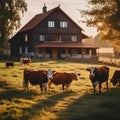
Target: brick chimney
(44,9)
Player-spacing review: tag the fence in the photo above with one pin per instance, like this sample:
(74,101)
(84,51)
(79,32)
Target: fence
(110,61)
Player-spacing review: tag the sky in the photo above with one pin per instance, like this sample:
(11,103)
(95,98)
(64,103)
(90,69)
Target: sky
(70,7)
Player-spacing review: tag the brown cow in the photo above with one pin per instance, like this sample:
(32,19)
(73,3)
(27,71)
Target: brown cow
(98,75)
(64,79)
(116,78)
(39,77)
(8,64)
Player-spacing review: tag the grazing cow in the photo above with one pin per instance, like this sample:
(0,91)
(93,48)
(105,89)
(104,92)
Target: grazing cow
(25,60)
(116,78)
(64,79)
(98,75)
(39,77)
(8,64)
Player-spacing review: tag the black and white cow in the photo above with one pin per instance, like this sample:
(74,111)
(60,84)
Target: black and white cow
(98,75)
(115,80)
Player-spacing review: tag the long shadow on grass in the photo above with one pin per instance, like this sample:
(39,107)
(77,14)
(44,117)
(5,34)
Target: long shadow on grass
(9,92)
(13,94)
(105,106)
(43,106)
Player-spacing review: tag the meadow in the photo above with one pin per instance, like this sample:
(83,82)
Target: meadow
(78,103)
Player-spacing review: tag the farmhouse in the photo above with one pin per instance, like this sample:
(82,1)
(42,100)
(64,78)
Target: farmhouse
(54,35)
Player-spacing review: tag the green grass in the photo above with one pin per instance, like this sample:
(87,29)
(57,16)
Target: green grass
(79,103)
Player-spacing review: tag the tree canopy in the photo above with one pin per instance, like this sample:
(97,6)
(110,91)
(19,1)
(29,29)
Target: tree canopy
(10,16)
(105,15)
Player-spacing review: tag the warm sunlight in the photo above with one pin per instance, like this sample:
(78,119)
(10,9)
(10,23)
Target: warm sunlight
(69,7)
(100,24)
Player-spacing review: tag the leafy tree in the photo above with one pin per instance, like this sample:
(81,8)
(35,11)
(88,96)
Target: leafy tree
(105,15)
(10,16)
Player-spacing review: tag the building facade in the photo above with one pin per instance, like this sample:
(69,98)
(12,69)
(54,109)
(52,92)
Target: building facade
(52,34)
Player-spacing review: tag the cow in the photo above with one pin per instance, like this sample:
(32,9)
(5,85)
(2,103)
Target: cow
(9,64)
(63,79)
(37,77)
(98,75)
(115,80)
(25,60)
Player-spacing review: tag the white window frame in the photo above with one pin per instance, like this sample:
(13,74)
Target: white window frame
(51,23)
(74,38)
(26,49)
(42,37)
(20,50)
(63,24)
(26,37)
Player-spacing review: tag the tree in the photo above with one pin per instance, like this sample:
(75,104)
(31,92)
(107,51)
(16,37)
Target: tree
(10,16)
(105,15)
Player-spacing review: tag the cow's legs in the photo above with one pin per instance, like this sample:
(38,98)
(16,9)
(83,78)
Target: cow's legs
(25,86)
(41,89)
(45,85)
(119,83)
(107,85)
(100,86)
(67,86)
(94,88)
(63,87)
(45,90)
(49,85)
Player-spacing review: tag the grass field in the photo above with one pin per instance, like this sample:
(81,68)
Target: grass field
(79,103)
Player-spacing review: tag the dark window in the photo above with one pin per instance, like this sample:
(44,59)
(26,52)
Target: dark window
(73,51)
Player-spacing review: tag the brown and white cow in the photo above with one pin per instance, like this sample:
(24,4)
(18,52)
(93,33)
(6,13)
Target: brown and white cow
(98,75)
(25,60)
(39,77)
(115,80)
(63,79)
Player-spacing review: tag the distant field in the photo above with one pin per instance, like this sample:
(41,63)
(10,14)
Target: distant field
(79,103)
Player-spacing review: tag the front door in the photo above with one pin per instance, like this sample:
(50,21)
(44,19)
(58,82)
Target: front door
(54,53)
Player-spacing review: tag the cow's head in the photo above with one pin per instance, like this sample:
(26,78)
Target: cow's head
(50,74)
(76,75)
(115,81)
(93,71)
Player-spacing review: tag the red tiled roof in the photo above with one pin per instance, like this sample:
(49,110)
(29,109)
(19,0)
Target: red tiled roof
(65,45)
